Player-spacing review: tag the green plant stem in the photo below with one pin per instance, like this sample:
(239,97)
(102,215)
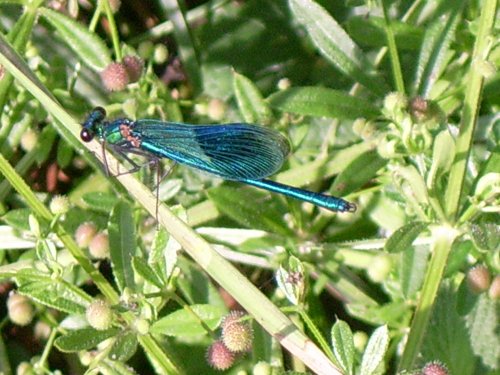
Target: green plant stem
(393,51)
(470,111)
(42,362)
(41,211)
(4,358)
(165,28)
(188,308)
(113,29)
(95,16)
(106,289)
(186,42)
(436,206)
(317,335)
(443,237)
(469,214)
(18,36)
(21,168)
(157,355)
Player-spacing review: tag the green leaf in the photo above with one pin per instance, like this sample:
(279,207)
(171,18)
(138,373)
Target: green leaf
(370,31)
(186,42)
(291,280)
(18,218)
(55,293)
(465,298)
(343,346)
(375,351)
(336,45)
(156,257)
(403,238)
(412,269)
(493,163)
(70,100)
(486,235)
(170,257)
(435,48)
(447,339)
(457,260)
(83,339)
(65,153)
(100,201)
(143,269)
(360,171)
(442,158)
(412,185)
(86,44)
(487,187)
(196,286)
(250,101)
(482,325)
(44,144)
(123,245)
(12,239)
(322,102)
(19,35)
(183,323)
(46,251)
(263,213)
(124,347)
(163,254)
(376,314)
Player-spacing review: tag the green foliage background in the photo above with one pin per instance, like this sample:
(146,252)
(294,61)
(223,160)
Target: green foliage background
(393,106)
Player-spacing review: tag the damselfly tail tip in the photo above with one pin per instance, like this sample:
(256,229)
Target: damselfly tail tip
(351,207)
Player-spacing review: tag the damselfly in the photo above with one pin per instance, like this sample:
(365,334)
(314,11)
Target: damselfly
(239,152)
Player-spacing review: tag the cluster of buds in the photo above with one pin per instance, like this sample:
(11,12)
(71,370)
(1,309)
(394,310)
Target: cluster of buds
(236,338)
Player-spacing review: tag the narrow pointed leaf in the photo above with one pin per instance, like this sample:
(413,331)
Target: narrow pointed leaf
(188,323)
(57,294)
(343,345)
(143,269)
(264,213)
(87,45)
(359,172)
(435,48)
(83,339)
(412,269)
(375,351)
(124,347)
(250,101)
(322,101)
(122,244)
(403,238)
(369,31)
(336,45)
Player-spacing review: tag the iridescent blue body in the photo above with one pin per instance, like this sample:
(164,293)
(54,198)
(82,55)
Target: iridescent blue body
(240,152)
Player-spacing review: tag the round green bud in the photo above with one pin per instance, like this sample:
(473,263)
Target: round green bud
(59,205)
(99,315)
(99,246)
(84,234)
(216,109)
(20,309)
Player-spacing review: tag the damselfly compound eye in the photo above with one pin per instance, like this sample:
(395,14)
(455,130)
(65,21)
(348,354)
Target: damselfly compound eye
(86,135)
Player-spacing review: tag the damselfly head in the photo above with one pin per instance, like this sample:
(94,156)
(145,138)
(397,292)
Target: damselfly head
(91,125)
(99,113)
